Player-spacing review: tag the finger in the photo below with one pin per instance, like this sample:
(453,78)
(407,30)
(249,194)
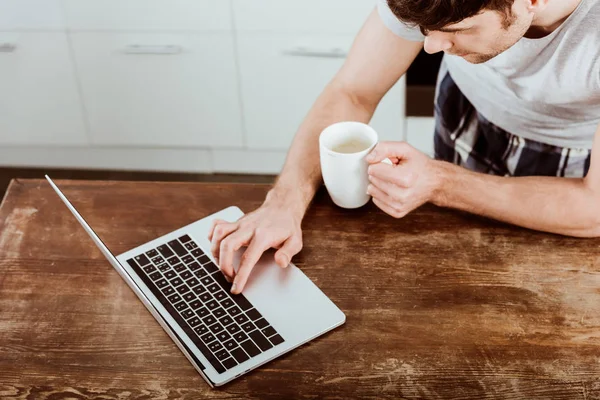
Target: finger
(388,209)
(290,248)
(389,188)
(213,225)
(383,150)
(221,231)
(249,259)
(229,246)
(380,195)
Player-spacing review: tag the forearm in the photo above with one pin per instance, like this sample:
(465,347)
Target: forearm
(566,206)
(301,174)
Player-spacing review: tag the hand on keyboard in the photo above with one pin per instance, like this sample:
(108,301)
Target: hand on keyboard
(270,226)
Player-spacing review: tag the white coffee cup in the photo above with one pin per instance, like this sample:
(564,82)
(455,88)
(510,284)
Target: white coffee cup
(343,147)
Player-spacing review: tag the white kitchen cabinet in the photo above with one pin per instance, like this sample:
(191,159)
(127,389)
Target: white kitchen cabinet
(160,89)
(306,16)
(282,76)
(31,15)
(144,15)
(39,101)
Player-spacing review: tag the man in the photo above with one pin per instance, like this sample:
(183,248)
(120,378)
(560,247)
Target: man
(517,111)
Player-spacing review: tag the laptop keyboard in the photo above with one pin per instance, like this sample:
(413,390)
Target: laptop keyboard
(226,328)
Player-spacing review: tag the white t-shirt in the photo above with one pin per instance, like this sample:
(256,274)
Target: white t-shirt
(546,89)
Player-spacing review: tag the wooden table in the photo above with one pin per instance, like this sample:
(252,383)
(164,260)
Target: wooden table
(439,304)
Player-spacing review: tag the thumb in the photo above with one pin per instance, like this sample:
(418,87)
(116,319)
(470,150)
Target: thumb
(391,150)
(284,255)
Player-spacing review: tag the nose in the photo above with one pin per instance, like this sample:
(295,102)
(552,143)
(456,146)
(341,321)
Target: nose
(434,43)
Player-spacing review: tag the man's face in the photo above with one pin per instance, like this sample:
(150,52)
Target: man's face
(483,36)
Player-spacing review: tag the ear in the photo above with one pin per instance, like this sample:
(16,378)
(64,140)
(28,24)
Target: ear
(536,5)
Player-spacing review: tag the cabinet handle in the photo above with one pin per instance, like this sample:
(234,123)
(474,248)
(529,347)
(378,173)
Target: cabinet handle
(301,51)
(152,49)
(7,47)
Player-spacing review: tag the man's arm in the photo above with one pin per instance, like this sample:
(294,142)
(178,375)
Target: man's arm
(377,60)
(568,206)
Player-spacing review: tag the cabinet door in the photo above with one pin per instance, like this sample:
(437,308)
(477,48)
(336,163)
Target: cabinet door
(160,90)
(138,15)
(40,103)
(30,14)
(282,76)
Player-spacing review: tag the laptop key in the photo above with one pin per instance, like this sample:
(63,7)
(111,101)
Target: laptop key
(192,282)
(173,260)
(164,267)
(201,330)
(229,363)
(196,304)
(234,311)
(239,355)
(222,354)
(179,268)
(202,312)
(209,320)
(205,297)
(240,336)
(183,289)
(218,312)
(216,328)
(227,303)
(223,336)
(194,266)
(248,327)
(226,320)
(199,289)
(191,246)
(181,306)
(242,302)
(187,314)
(165,251)
(197,252)
(158,260)
(170,274)
(189,297)
(194,321)
(161,283)
(176,281)
(220,295)
(260,340)
(212,304)
(269,331)
(207,280)
(215,346)
(210,266)
(168,291)
(149,269)
(250,348)
(261,323)
(230,344)
(201,273)
(188,259)
(155,275)
(177,248)
(185,238)
(241,319)
(142,260)
(186,275)
(152,253)
(213,288)
(253,314)
(207,337)
(277,339)
(220,278)
(233,328)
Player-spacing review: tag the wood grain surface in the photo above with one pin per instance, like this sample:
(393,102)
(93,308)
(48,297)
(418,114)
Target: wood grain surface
(439,305)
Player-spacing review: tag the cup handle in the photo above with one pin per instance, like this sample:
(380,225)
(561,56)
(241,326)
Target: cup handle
(387,161)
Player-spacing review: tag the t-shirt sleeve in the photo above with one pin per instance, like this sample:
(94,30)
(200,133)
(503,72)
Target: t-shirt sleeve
(398,27)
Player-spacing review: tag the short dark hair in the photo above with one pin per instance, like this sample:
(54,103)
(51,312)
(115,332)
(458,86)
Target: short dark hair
(431,15)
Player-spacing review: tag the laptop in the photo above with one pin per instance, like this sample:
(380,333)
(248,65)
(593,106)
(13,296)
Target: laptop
(222,335)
